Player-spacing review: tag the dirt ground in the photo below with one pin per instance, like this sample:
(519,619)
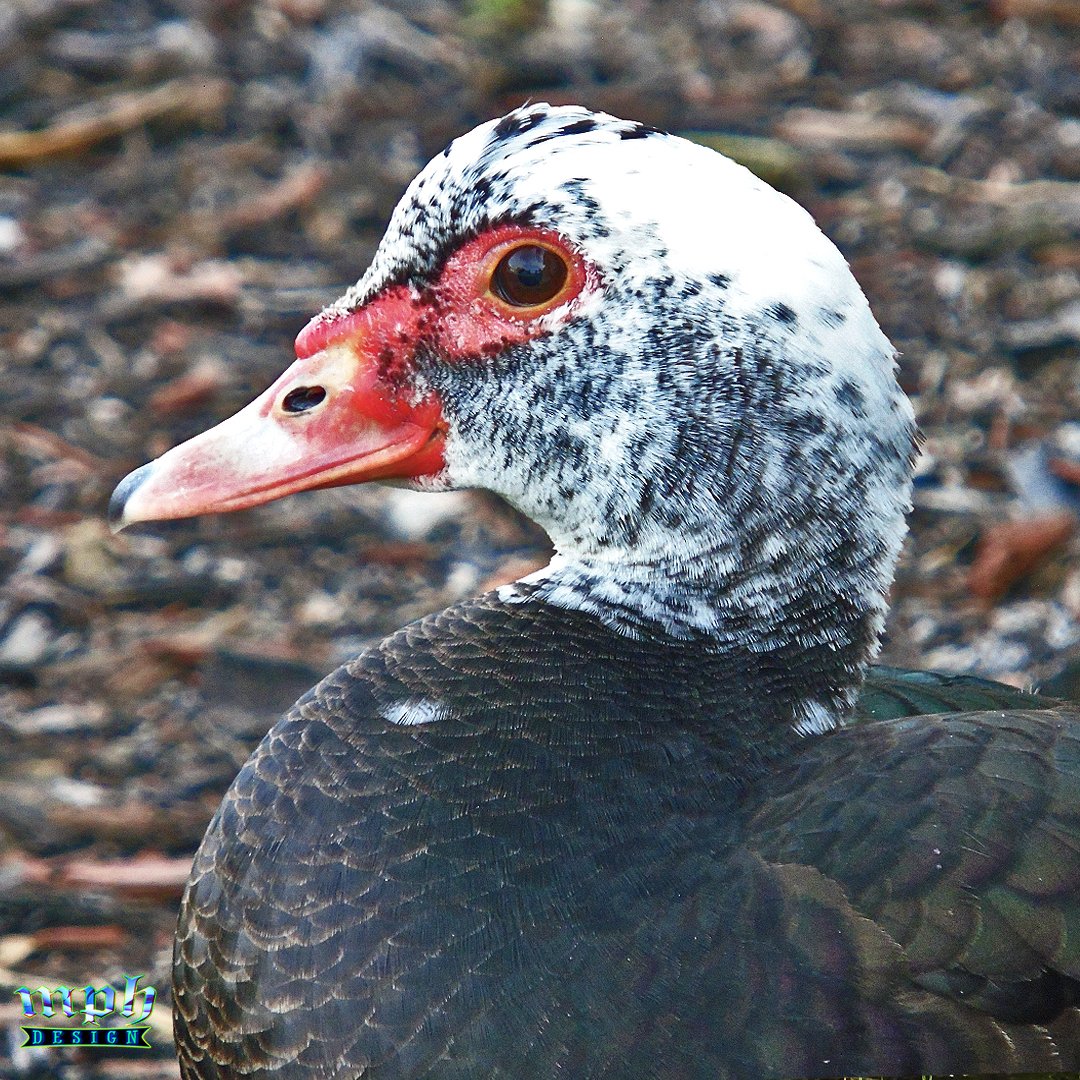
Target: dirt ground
(182,184)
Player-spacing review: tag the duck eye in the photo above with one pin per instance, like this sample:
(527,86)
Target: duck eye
(303,398)
(529,276)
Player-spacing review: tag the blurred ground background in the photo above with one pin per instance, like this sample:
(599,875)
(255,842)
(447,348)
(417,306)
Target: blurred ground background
(183,183)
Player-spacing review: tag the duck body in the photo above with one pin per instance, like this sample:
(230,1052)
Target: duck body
(642,813)
(422,873)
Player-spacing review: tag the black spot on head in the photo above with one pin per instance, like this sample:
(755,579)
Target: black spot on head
(569,448)
(517,123)
(721,281)
(831,317)
(849,395)
(782,313)
(575,189)
(801,425)
(481,188)
(509,125)
(386,359)
(537,140)
(579,127)
(639,131)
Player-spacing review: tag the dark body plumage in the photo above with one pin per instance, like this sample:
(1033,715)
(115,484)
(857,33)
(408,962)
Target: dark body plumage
(602,861)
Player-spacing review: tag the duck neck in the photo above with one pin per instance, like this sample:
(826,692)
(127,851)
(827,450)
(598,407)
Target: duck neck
(804,641)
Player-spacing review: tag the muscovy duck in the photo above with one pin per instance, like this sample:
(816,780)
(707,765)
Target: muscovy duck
(642,813)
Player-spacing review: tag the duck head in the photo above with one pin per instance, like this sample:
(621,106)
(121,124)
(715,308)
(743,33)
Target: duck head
(641,346)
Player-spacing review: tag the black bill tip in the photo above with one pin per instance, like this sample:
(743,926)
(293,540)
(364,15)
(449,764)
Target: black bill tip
(122,495)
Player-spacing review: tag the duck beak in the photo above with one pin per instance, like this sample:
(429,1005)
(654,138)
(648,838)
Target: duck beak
(330,420)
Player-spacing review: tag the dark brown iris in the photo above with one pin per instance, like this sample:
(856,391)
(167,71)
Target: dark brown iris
(529,276)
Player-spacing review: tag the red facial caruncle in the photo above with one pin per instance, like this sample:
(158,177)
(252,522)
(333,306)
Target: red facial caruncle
(347,410)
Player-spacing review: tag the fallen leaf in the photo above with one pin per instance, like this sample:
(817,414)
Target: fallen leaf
(1009,550)
(189,391)
(149,876)
(1066,470)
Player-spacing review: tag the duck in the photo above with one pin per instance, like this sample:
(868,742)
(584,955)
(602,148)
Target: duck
(650,811)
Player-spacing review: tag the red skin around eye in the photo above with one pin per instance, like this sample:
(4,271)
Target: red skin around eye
(458,316)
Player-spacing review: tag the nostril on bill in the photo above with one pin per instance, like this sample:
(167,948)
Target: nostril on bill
(303,398)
